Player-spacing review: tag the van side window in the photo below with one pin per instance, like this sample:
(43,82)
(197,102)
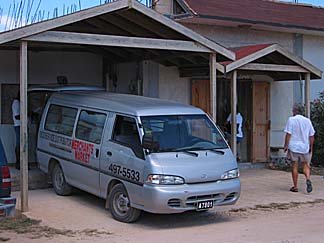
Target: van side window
(126,133)
(90,126)
(61,119)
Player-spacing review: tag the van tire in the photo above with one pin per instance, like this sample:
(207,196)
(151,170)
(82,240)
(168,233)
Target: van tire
(119,205)
(61,187)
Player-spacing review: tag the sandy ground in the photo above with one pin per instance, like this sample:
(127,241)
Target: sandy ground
(265,213)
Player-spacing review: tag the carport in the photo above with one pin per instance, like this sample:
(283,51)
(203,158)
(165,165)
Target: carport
(273,61)
(119,31)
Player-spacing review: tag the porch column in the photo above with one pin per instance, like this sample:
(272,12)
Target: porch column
(213,90)
(307,95)
(233,112)
(23,128)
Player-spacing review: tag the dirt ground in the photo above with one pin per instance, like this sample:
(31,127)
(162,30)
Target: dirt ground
(266,212)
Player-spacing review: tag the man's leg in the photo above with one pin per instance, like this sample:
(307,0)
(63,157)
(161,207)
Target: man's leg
(307,172)
(294,173)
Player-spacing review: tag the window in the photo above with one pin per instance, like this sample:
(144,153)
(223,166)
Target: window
(126,133)
(176,133)
(90,126)
(61,119)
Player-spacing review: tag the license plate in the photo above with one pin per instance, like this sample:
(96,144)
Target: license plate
(205,205)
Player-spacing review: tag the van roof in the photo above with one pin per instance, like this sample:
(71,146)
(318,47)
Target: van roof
(60,88)
(124,103)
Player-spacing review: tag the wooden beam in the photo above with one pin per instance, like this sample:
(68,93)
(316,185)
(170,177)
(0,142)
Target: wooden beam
(118,41)
(213,84)
(61,21)
(233,112)
(23,128)
(307,95)
(250,58)
(183,30)
(303,63)
(273,68)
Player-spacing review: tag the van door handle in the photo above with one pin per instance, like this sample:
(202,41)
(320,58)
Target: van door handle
(109,153)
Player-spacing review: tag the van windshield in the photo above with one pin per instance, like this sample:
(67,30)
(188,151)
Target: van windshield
(183,132)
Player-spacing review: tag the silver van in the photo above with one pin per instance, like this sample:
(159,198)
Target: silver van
(137,153)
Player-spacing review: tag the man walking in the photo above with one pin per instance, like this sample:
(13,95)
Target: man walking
(299,142)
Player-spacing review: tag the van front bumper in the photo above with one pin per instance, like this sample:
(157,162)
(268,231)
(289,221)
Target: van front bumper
(179,198)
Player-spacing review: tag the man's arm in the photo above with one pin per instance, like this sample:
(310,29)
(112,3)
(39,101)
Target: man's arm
(311,143)
(287,139)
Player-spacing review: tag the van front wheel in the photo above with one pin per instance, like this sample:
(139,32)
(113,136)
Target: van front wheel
(61,187)
(119,205)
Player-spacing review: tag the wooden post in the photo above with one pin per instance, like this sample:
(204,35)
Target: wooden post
(233,112)
(23,128)
(213,86)
(307,95)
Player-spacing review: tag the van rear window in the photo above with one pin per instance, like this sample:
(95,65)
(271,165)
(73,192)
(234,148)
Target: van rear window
(61,119)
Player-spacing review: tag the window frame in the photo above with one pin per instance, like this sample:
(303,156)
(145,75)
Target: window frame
(78,118)
(60,105)
(142,156)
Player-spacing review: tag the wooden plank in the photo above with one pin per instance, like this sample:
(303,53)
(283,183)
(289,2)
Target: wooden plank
(213,86)
(183,30)
(273,68)
(233,112)
(307,95)
(61,21)
(23,128)
(303,63)
(118,41)
(250,58)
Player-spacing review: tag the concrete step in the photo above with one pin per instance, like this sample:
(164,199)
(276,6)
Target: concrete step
(7,200)
(7,210)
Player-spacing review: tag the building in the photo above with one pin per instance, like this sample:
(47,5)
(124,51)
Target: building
(128,48)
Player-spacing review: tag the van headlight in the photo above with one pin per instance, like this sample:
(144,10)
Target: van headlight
(231,174)
(165,180)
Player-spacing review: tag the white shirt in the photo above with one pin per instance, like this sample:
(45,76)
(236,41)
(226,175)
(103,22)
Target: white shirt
(300,128)
(239,121)
(15,112)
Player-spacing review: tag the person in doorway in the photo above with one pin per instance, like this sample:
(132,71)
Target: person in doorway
(299,142)
(16,120)
(239,131)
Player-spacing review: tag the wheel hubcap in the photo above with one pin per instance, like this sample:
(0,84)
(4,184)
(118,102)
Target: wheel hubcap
(121,204)
(59,180)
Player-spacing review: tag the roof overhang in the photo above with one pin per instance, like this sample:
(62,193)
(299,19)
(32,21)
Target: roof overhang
(272,60)
(120,26)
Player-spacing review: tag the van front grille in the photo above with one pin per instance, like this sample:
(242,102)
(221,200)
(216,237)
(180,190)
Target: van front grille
(230,196)
(174,203)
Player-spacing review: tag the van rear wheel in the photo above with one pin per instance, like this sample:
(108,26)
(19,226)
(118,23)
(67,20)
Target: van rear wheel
(119,205)
(61,187)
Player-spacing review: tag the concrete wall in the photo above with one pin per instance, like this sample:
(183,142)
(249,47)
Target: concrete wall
(313,51)
(43,68)
(172,87)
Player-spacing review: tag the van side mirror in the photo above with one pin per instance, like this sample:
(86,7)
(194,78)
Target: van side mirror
(149,143)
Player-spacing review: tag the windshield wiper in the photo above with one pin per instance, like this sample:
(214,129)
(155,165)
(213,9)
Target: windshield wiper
(215,150)
(187,151)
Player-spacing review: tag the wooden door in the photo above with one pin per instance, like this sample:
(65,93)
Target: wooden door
(260,122)
(200,94)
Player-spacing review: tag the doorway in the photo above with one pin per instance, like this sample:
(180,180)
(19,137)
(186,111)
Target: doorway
(260,148)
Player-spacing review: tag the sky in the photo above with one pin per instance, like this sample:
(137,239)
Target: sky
(8,21)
